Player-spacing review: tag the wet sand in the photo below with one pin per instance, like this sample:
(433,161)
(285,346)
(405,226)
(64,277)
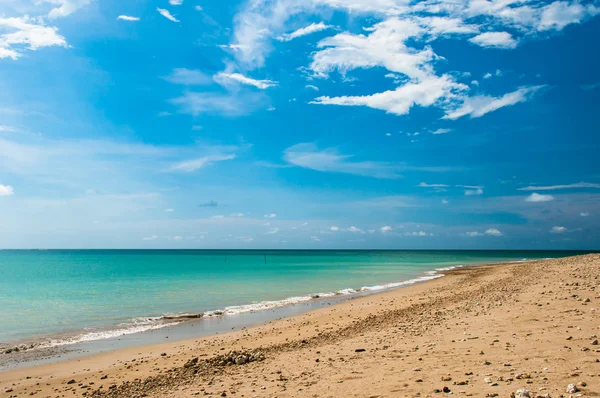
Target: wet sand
(481,331)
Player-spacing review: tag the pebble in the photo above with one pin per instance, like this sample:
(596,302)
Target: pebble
(572,388)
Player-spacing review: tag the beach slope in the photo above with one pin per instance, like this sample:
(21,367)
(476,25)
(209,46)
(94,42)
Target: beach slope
(483,331)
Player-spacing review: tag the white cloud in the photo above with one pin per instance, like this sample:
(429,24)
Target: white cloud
(153,237)
(26,33)
(428,92)
(555,187)
(385,229)
(6,190)
(198,163)
(493,232)
(536,198)
(480,105)
(246,239)
(441,131)
(489,232)
(270,215)
(334,228)
(487,75)
(188,77)
(169,210)
(473,234)
(329,160)
(7,129)
(175,2)
(474,192)
(307,30)
(167,14)
(584,214)
(227,78)
(259,20)
(227,104)
(425,185)
(312,87)
(561,13)
(445,202)
(558,230)
(238,215)
(128,18)
(384,46)
(66,7)
(198,8)
(315,238)
(355,230)
(272,231)
(419,233)
(495,40)
(437,26)
(217,217)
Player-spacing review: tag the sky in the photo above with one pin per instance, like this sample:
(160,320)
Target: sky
(300,124)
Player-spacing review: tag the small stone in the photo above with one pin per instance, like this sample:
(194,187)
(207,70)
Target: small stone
(72,381)
(594,342)
(360,350)
(521,393)
(572,388)
(445,389)
(446,378)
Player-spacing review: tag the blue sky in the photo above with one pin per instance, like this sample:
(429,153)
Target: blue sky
(299,124)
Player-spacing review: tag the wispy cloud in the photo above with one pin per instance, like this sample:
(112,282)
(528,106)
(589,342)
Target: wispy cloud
(227,104)
(556,187)
(198,163)
(167,14)
(536,198)
(426,185)
(128,18)
(228,78)
(188,77)
(307,30)
(399,101)
(329,160)
(488,232)
(480,105)
(475,191)
(441,131)
(211,203)
(63,8)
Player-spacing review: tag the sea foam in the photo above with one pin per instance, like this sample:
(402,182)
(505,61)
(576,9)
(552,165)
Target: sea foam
(139,325)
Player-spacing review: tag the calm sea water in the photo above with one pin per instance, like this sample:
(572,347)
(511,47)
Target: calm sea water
(89,293)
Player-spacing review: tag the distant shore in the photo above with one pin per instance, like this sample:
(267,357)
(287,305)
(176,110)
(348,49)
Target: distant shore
(482,330)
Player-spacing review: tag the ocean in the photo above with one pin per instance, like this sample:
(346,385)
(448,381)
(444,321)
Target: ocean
(61,297)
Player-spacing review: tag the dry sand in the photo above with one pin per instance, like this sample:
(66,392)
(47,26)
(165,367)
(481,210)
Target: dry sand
(485,331)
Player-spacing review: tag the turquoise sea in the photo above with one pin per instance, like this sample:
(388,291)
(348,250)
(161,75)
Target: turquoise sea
(81,295)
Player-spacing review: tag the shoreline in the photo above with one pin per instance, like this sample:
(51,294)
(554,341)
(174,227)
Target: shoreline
(491,301)
(68,346)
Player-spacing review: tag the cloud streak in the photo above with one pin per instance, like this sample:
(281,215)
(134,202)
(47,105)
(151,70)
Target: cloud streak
(557,187)
(167,14)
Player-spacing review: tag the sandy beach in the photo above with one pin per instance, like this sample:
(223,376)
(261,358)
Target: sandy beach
(484,331)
